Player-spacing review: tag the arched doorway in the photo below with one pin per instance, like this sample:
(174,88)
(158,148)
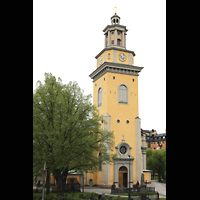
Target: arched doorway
(123,178)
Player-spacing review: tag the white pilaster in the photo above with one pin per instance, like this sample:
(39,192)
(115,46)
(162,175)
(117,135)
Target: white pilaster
(108,38)
(106,168)
(138,148)
(123,38)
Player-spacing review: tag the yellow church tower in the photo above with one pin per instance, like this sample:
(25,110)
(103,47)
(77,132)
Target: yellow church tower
(115,93)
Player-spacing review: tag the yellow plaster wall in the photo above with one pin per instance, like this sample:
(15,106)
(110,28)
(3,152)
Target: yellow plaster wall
(99,177)
(117,111)
(147,176)
(91,176)
(132,60)
(123,112)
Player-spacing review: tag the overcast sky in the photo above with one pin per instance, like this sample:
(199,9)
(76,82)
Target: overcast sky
(67,35)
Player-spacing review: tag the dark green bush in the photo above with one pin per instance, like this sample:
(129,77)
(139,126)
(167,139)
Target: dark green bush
(37,196)
(49,197)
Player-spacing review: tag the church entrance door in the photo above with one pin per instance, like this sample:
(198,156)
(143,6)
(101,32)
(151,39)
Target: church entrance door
(123,171)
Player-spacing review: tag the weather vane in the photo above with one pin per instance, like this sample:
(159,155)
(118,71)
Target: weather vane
(115,9)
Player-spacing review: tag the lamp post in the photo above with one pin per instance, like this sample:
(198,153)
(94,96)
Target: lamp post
(43,181)
(83,182)
(129,193)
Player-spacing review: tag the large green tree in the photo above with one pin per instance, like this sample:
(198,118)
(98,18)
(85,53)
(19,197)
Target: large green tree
(156,161)
(67,130)
(149,161)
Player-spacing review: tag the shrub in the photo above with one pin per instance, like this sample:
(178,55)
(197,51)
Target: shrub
(37,196)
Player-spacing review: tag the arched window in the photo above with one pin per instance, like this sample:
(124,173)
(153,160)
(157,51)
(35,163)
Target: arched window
(118,42)
(100,97)
(123,94)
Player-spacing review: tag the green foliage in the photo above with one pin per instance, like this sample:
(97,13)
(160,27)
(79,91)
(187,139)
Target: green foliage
(149,161)
(50,197)
(156,161)
(159,160)
(67,131)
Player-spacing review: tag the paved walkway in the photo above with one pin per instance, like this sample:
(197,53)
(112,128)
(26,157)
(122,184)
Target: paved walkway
(159,187)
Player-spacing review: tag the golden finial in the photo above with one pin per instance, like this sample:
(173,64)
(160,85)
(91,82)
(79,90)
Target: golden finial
(115,9)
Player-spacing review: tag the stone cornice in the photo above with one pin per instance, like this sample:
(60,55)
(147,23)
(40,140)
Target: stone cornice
(123,159)
(115,48)
(115,25)
(115,68)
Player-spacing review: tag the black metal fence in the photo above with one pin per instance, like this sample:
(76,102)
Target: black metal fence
(126,190)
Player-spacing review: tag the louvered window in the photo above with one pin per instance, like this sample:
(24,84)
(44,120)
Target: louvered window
(123,94)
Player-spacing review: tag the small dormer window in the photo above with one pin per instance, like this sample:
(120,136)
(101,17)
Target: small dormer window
(117,21)
(114,20)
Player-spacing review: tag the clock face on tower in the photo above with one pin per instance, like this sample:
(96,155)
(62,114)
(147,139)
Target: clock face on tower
(122,57)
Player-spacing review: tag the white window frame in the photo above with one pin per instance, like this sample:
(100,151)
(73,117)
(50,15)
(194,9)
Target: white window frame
(120,99)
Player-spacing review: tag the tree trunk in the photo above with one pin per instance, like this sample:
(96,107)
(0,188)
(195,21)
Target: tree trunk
(65,173)
(58,176)
(48,182)
(63,183)
(59,185)
(60,181)
(159,176)
(163,176)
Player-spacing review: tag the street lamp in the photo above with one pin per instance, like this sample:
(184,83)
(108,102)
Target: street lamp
(129,193)
(43,181)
